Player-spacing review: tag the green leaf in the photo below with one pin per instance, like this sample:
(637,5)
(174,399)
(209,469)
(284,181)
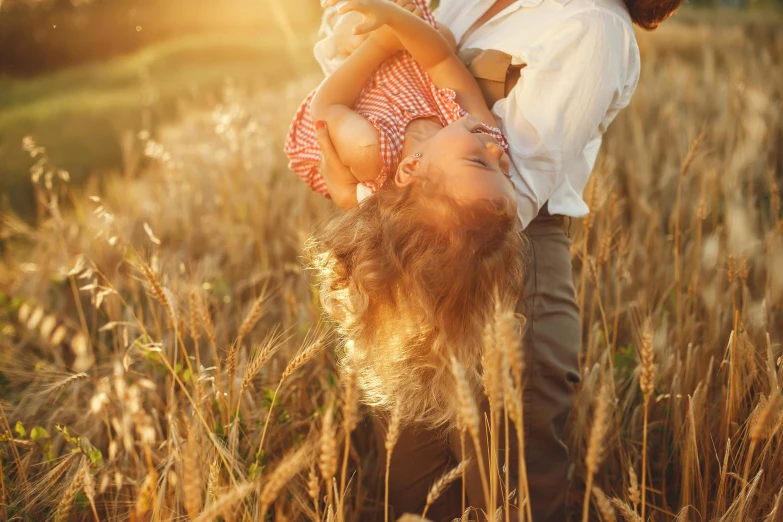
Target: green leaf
(19,429)
(96,457)
(38,433)
(253,470)
(268,398)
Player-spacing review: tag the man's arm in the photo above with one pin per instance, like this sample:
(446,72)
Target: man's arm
(575,74)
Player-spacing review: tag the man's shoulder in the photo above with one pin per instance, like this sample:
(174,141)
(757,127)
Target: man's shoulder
(605,10)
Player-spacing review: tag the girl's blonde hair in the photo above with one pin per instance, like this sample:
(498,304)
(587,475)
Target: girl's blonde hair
(410,278)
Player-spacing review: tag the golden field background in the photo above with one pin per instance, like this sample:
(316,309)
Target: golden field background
(157,324)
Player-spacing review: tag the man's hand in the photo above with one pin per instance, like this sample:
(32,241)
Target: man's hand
(385,37)
(377,13)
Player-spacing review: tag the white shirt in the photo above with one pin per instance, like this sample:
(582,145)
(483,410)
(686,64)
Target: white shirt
(582,68)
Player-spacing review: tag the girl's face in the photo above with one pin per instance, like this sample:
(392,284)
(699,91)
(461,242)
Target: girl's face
(463,158)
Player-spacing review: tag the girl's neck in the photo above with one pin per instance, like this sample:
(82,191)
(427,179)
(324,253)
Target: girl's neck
(417,132)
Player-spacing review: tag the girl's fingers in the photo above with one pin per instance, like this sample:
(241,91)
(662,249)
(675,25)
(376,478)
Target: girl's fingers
(328,3)
(418,12)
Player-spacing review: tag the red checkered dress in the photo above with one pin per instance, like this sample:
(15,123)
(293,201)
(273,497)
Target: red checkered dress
(397,92)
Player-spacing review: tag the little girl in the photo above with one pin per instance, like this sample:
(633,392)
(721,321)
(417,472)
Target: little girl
(408,275)
(370,100)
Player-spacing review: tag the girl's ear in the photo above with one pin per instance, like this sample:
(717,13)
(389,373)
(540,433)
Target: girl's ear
(406,171)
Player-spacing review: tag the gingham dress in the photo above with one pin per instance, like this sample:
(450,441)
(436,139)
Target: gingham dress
(398,92)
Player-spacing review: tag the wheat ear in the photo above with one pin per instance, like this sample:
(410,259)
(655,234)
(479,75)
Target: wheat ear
(314,490)
(225,504)
(633,489)
(281,476)
(327,459)
(65,506)
(604,505)
(350,416)
(392,435)
(595,446)
(444,482)
(191,470)
(647,385)
(297,362)
(77,377)
(625,510)
(468,418)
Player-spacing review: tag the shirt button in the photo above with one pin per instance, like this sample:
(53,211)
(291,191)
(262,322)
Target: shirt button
(396,93)
(410,111)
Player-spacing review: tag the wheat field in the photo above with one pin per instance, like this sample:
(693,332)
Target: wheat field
(163,354)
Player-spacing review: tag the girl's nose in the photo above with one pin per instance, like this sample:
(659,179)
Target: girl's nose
(495,149)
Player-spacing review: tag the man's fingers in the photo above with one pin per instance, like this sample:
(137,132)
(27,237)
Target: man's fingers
(325,142)
(351,5)
(364,27)
(411,7)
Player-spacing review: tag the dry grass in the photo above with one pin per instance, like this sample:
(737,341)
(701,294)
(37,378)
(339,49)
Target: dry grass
(104,307)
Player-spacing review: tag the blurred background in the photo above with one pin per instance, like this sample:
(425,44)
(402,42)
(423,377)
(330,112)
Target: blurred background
(84,76)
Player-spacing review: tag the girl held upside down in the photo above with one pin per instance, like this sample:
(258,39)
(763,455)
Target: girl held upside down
(399,136)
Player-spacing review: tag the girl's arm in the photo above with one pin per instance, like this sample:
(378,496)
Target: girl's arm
(345,84)
(353,157)
(428,47)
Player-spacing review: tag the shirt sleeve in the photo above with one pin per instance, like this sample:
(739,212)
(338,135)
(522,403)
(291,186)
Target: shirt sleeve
(574,74)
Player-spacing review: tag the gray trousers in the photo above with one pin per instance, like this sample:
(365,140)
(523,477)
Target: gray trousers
(551,348)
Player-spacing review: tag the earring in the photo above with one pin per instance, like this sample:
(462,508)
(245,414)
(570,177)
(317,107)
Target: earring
(417,155)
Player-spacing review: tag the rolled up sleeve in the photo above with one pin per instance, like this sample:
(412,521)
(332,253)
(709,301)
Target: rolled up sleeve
(573,75)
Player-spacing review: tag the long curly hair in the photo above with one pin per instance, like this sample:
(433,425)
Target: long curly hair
(410,278)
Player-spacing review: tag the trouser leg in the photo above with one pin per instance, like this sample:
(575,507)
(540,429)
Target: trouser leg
(419,458)
(551,345)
